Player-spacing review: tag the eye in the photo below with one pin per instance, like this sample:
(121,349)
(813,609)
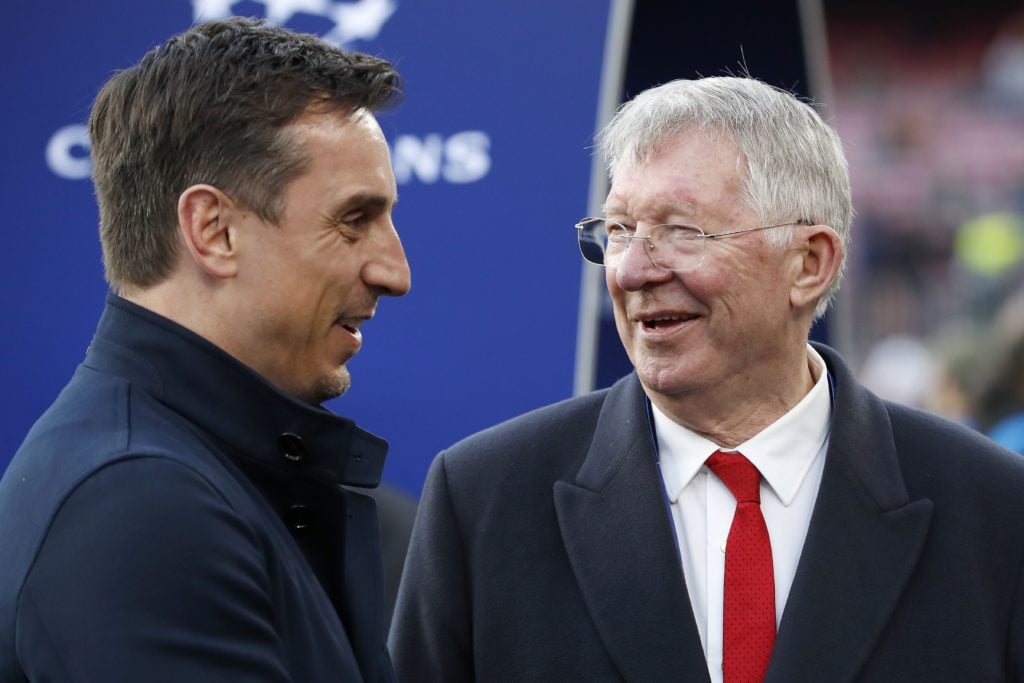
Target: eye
(360,214)
(679,234)
(617,231)
(356,220)
(355,223)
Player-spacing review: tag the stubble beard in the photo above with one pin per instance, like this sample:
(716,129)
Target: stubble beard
(329,387)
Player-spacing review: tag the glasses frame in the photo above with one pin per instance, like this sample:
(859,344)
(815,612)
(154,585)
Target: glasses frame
(649,239)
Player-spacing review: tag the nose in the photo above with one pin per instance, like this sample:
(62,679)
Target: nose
(636,269)
(388,269)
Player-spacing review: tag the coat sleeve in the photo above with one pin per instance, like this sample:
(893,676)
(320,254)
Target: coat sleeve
(146,573)
(431,632)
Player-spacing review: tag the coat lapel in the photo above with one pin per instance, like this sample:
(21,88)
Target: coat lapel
(862,545)
(620,541)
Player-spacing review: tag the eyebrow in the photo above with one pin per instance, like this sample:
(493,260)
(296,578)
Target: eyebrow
(364,200)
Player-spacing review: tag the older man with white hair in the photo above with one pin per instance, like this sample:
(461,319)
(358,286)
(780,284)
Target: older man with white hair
(738,508)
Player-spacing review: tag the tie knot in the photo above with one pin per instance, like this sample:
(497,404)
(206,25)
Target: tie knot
(738,474)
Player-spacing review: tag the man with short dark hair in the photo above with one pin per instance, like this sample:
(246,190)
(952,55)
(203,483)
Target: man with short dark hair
(739,508)
(178,514)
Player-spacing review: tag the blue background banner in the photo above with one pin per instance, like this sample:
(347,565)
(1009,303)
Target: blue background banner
(491,149)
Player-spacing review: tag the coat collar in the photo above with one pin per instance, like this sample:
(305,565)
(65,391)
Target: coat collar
(622,548)
(231,402)
(863,543)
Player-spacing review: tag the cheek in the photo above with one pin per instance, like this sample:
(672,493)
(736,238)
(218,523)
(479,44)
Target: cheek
(619,311)
(609,281)
(614,292)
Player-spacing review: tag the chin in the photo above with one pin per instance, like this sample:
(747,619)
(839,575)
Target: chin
(665,376)
(665,386)
(331,386)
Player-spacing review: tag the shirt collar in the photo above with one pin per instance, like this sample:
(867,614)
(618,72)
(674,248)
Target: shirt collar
(782,452)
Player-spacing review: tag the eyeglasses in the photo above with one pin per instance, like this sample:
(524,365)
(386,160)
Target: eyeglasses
(672,247)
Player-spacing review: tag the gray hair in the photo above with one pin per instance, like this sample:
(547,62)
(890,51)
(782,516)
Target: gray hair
(794,162)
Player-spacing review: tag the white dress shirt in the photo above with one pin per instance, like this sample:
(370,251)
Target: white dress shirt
(790,455)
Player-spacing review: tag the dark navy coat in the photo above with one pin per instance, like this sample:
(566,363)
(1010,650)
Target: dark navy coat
(543,550)
(173,517)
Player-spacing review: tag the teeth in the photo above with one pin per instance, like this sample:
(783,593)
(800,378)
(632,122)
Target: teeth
(655,322)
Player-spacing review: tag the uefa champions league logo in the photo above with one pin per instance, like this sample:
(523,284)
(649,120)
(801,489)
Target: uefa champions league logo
(359,20)
(455,157)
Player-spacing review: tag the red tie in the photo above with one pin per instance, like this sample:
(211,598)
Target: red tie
(749,614)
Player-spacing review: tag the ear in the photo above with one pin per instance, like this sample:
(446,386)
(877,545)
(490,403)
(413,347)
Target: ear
(818,255)
(205,217)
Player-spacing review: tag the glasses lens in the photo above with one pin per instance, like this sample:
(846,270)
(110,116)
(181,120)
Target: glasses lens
(593,240)
(677,247)
(672,247)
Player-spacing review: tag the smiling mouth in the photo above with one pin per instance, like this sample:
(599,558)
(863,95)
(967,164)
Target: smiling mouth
(352,326)
(665,321)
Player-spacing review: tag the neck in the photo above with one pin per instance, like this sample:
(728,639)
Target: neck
(731,415)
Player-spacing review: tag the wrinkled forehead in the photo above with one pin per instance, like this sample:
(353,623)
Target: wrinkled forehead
(684,179)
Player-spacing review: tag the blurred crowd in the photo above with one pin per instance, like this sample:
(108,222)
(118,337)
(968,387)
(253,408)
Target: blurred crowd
(933,118)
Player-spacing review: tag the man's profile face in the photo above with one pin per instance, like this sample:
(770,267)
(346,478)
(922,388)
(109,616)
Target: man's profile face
(721,324)
(313,279)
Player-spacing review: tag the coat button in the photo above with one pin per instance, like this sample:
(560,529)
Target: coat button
(292,447)
(298,517)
